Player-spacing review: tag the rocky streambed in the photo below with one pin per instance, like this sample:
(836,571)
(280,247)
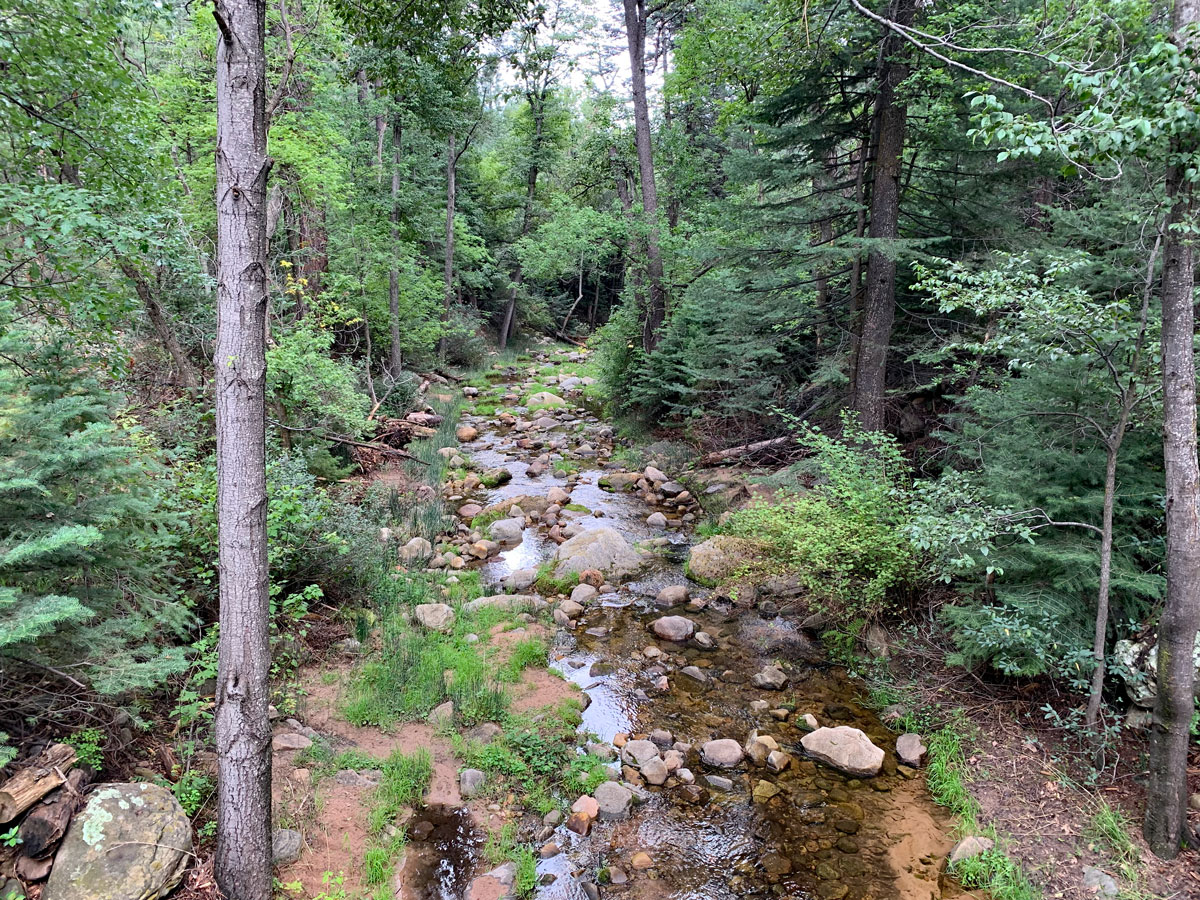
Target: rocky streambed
(743,763)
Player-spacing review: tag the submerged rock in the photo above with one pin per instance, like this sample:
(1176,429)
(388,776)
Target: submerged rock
(674,628)
(602,549)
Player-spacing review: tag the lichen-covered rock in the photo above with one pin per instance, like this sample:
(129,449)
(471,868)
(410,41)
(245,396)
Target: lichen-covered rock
(131,842)
(603,549)
(435,616)
(545,399)
(718,558)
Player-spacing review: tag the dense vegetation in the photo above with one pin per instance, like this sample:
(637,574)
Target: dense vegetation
(927,245)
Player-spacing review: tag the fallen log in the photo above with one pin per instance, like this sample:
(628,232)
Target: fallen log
(719,456)
(46,824)
(35,781)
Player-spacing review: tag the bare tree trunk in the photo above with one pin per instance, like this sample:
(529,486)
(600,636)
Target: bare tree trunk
(822,238)
(448,262)
(1165,824)
(655,312)
(162,328)
(243,733)
(880,309)
(860,230)
(537,105)
(396,360)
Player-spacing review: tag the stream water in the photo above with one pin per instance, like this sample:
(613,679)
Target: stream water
(809,832)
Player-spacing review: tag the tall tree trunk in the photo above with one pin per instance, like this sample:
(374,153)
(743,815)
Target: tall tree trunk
(448,262)
(860,231)
(243,732)
(396,359)
(537,105)
(655,312)
(879,310)
(1166,794)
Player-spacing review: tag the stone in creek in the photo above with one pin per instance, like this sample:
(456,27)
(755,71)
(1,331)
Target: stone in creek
(655,771)
(656,520)
(435,616)
(764,791)
(583,594)
(507,531)
(772,678)
(759,706)
(619,481)
(571,609)
(673,760)
(415,550)
(759,747)
(693,674)
(548,850)
(662,737)
(911,750)
(557,495)
(674,628)
(775,863)
(580,823)
(617,876)
(777,760)
(641,860)
(601,751)
(693,793)
(844,748)
(586,805)
(704,641)
(809,721)
(470,510)
(561,618)
(671,488)
(521,579)
(724,753)
(719,783)
(637,752)
(466,433)
(601,549)
(671,595)
(614,801)
(600,669)
(718,558)
(653,474)
(846,826)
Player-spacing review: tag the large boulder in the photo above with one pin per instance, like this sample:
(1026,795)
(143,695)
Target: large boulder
(846,749)
(504,602)
(620,481)
(718,558)
(131,842)
(544,398)
(613,801)
(415,550)
(528,504)
(507,531)
(603,549)
(1140,660)
(724,753)
(435,616)
(674,628)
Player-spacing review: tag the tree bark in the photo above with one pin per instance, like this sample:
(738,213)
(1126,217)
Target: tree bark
(396,358)
(1165,824)
(448,261)
(879,310)
(35,780)
(46,824)
(537,105)
(655,312)
(243,733)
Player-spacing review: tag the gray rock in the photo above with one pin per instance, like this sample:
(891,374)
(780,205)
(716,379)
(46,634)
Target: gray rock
(583,594)
(614,801)
(285,742)
(672,595)
(723,753)
(772,678)
(718,558)
(286,845)
(603,549)
(719,783)
(507,531)
(911,750)
(485,732)
(844,748)
(660,737)
(442,715)
(470,783)
(415,550)
(130,841)
(521,579)
(435,616)
(571,609)
(656,520)
(655,771)
(1099,882)
(695,673)
(674,628)
(704,640)
(635,753)
(972,845)
(11,889)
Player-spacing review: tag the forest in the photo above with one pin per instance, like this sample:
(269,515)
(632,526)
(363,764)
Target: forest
(487,449)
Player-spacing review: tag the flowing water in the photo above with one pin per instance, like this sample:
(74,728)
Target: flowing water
(808,832)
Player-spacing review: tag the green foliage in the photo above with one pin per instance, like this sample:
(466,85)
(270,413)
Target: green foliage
(311,390)
(405,780)
(88,744)
(193,790)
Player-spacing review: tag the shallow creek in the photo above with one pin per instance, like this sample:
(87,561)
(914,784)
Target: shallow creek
(809,831)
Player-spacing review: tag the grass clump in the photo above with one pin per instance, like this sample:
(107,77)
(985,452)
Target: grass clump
(528,652)
(405,780)
(546,582)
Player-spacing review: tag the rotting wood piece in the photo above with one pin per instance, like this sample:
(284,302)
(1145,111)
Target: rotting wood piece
(46,824)
(35,781)
(719,456)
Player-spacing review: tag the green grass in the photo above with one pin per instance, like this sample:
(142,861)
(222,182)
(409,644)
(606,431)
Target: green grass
(547,582)
(405,780)
(527,652)
(995,872)
(377,866)
(1108,830)
(577,507)
(526,880)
